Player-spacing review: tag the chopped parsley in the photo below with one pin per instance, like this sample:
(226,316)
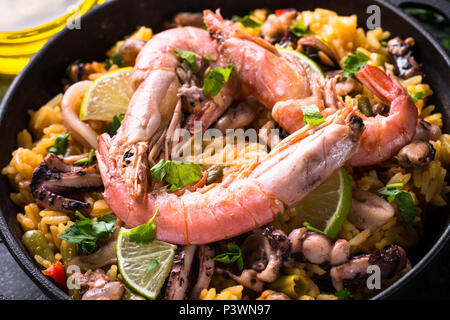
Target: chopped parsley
(300,30)
(189,57)
(353,63)
(405,202)
(312,115)
(115,124)
(69,67)
(308,226)
(384,43)
(144,233)
(215,80)
(60,145)
(209,57)
(116,59)
(85,161)
(247,22)
(86,232)
(177,173)
(343,294)
(234,254)
(152,264)
(417,96)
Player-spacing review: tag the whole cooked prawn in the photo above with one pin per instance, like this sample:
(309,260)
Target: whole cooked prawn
(385,136)
(155,111)
(247,198)
(277,81)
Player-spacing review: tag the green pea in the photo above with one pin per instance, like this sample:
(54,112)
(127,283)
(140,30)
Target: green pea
(36,244)
(68,250)
(364,106)
(214,174)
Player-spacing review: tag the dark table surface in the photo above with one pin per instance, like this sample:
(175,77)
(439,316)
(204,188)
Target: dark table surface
(433,283)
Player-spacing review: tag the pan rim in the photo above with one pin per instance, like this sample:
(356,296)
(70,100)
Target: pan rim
(53,291)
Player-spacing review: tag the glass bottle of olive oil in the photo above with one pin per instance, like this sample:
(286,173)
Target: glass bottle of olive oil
(26,25)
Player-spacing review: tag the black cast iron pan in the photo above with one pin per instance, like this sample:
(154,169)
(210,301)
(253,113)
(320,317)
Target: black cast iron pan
(104,25)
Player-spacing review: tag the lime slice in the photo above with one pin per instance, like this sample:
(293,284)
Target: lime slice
(326,207)
(133,261)
(108,96)
(310,66)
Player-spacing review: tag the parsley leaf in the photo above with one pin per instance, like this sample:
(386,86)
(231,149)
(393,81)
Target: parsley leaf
(353,63)
(312,115)
(189,57)
(85,161)
(300,30)
(417,96)
(60,145)
(152,264)
(115,124)
(234,254)
(116,59)
(216,78)
(308,226)
(343,294)
(405,202)
(144,233)
(69,67)
(209,57)
(247,22)
(86,232)
(177,173)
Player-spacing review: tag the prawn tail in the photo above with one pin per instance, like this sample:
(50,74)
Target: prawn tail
(384,86)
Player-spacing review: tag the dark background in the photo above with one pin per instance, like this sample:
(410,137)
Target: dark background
(433,283)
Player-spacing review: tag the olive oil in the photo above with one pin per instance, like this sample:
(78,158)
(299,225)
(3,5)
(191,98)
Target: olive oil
(26,25)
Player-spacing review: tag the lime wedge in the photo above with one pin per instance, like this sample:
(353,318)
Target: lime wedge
(310,66)
(108,96)
(326,207)
(134,259)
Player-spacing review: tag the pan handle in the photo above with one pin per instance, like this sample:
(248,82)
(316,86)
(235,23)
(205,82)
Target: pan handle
(442,6)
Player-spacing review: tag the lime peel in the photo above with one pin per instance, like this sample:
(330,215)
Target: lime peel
(109,95)
(133,260)
(326,208)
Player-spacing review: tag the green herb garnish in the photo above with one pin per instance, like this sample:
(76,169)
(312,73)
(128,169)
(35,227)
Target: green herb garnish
(116,59)
(384,43)
(177,173)
(189,57)
(60,145)
(312,115)
(86,232)
(69,67)
(308,226)
(343,294)
(115,125)
(417,96)
(144,233)
(85,161)
(215,80)
(208,56)
(247,22)
(300,30)
(152,264)
(353,63)
(234,254)
(405,202)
